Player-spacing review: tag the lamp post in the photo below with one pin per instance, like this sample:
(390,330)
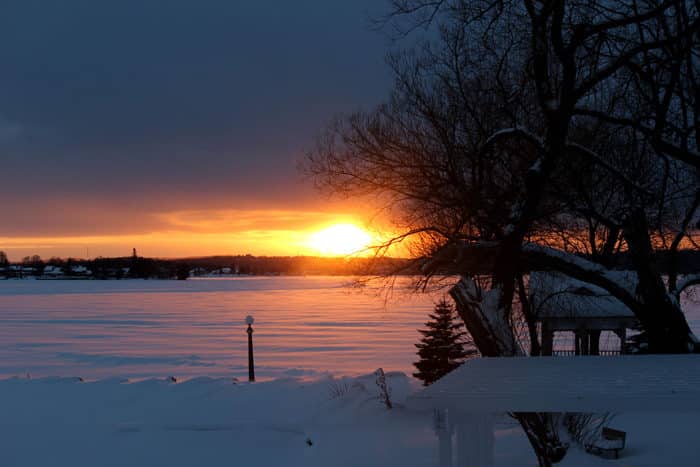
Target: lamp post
(251,368)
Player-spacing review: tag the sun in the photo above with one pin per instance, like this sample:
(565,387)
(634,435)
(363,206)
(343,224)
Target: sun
(340,239)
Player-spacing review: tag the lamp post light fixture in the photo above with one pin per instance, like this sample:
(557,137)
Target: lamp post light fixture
(251,367)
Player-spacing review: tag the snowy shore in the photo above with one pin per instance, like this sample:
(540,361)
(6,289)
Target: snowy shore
(285,422)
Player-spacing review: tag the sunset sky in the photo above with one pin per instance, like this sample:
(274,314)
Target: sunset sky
(175,127)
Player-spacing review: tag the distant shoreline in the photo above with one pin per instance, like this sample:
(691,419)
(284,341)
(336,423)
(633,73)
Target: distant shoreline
(138,267)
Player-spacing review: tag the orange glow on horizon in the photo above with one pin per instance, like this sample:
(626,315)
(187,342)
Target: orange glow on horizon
(180,234)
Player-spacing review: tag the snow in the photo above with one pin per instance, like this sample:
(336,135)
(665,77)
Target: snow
(202,421)
(57,422)
(491,315)
(687,281)
(309,332)
(537,166)
(569,384)
(609,444)
(557,295)
(577,261)
(517,131)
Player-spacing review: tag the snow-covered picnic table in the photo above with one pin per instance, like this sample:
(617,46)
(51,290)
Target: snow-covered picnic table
(471,395)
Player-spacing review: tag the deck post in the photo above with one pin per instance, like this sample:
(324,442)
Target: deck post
(585,343)
(577,342)
(595,342)
(547,340)
(475,440)
(622,334)
(443,430)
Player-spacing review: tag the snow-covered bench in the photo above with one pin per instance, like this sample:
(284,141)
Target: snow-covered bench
(612,441)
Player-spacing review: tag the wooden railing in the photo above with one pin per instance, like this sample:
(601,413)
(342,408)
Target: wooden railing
(567,353)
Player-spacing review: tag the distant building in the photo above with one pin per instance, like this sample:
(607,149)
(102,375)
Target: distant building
(52,271)
(80,271)
(221,272)
(197,272)
(19,271)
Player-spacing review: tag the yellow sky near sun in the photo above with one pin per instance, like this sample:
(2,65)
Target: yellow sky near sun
(216,232)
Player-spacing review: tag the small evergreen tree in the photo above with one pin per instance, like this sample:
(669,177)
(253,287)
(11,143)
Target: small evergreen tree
(444,345)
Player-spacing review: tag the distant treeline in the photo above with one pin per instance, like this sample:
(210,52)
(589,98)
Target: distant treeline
(139,267)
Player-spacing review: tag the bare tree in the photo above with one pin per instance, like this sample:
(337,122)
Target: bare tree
(527,132)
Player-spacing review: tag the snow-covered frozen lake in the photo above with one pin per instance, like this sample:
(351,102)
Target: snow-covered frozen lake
(133,328)
(304,327)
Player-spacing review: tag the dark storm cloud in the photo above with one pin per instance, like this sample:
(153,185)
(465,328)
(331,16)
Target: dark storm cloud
(172,101)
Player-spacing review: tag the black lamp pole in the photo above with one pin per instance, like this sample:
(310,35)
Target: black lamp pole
(251,366)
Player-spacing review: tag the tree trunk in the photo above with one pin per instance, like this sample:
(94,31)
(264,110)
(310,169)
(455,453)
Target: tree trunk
(661,316)
(494,337)
(538,431)
(485,320)
(535,347)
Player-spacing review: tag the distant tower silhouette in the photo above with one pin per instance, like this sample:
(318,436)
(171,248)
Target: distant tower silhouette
(133,253)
